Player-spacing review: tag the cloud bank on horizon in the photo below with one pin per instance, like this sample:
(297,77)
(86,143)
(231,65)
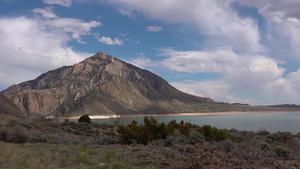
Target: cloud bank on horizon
(229,50)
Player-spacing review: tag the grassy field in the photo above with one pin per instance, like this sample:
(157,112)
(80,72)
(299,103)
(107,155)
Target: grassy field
(42,143)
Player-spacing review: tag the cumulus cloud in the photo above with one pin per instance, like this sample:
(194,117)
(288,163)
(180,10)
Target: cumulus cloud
(109,41)
(64,28)
(27,50)
(214,18)
(153,28)
(284,23)
(276,10)
(65,3)
(249,75)
(220,60)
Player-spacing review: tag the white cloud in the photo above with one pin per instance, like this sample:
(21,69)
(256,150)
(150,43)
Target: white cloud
(284,23)
(214,18)
(64,28)
(153,28)
(27,50)
(46,13)
(65,3)
(142,61)
(248,75)
(217,90)
(276,10)
(221,60)
(109,41)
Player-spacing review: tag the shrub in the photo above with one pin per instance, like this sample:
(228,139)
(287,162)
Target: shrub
(85,118)
(3,133)
(106,140)
(282,152)
(154,130)
(227,145)
(280,136)
(195,138)
(142,134)
(262,132)
(265,146)
(214,134)
(17,134)
(12,123)
(293,144)
(38,139)
(183,128)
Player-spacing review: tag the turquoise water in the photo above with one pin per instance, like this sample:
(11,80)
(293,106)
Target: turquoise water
(272,122)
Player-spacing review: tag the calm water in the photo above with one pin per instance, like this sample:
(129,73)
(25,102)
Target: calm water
(272,122)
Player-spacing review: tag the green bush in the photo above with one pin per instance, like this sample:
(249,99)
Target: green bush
(282,152)
(214,134)
(152,130)
(142,134)
(183,128)
(85,118)
(265,146)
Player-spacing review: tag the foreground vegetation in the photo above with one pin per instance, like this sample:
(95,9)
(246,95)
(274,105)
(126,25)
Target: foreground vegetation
(42,143)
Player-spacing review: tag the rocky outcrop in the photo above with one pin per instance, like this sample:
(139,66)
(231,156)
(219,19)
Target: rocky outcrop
(99,85)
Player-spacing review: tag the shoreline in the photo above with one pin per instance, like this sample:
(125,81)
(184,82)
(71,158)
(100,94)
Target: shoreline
(176,114)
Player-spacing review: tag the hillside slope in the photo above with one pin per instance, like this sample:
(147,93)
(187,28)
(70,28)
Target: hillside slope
(8,108)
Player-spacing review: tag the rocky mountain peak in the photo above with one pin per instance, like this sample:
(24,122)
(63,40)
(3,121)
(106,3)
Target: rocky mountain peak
(99,58)
(100,84)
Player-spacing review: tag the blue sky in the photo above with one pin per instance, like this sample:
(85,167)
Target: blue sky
(230,50)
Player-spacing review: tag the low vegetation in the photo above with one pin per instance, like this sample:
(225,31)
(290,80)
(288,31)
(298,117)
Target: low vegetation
(43,143)
(84,119)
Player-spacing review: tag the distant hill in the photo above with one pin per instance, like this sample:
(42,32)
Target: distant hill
(285,106)
(105,85)
(8,108)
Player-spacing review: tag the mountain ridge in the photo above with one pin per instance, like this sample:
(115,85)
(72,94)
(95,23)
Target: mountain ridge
(100,84)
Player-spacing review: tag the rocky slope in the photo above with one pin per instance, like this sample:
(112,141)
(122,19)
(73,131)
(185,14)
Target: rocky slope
(8,108)
(102,85)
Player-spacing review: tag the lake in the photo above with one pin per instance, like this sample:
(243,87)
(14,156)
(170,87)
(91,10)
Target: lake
(272,122)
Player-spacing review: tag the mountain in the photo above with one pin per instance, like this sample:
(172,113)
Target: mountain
(8,108)
(105,85)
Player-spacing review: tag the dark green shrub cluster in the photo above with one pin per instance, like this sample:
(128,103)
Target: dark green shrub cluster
(280,136)
(214,134)
(183,128)
(85,118)
(282,152)
(151,130)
